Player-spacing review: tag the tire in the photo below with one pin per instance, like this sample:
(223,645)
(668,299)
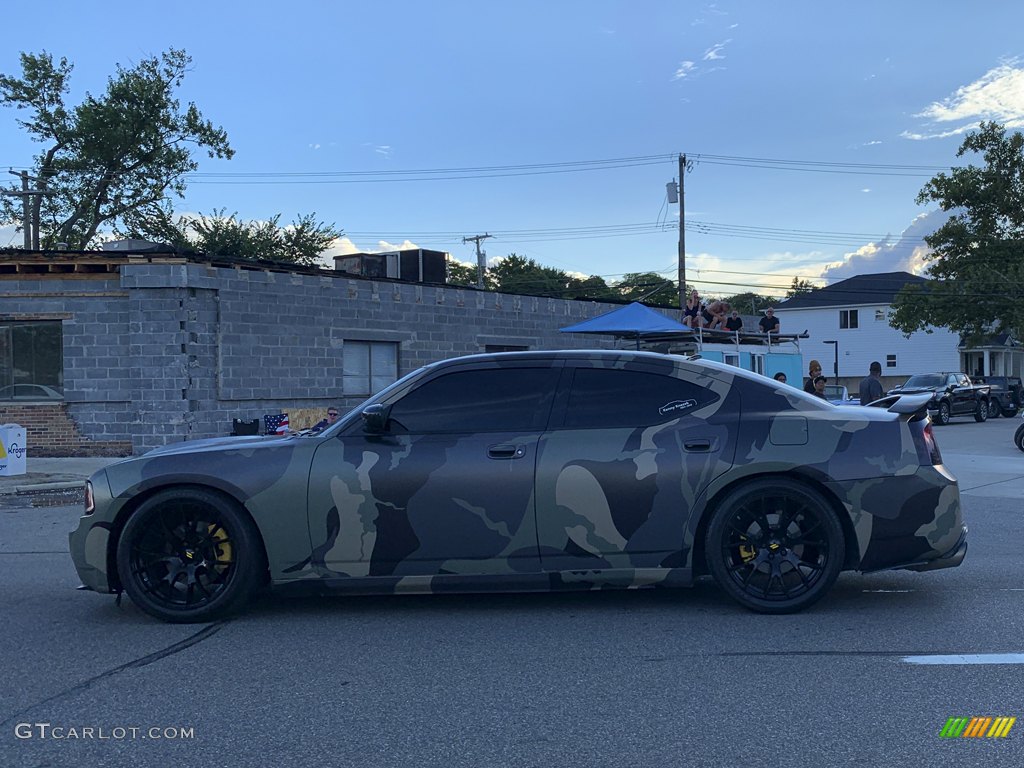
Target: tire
(981,411)
(944,414)
(1018,437)
(758,550)
(1008,413)
(161,542)
(993,408)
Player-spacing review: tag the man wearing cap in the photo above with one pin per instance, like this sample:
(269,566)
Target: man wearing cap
(871,385)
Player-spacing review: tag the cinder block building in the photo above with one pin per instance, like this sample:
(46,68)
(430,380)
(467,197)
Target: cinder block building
(115,352)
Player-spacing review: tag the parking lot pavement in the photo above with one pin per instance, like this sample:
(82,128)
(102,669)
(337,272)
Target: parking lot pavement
(983,457)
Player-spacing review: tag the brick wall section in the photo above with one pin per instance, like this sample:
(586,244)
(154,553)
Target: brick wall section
(50,431)
(162,353)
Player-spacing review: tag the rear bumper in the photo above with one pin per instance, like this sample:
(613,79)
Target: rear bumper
(950,559)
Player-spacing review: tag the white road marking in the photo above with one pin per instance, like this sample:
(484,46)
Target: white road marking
(968,658)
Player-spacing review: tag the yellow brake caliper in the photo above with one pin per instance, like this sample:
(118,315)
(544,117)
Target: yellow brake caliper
(224,553)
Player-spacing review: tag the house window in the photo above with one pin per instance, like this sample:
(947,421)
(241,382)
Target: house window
(848,318)
(31,360)
(757,364)
(879,314)
(730,358)
(368,366)
(890,361)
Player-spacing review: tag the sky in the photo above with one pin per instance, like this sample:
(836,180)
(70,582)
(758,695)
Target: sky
(809,128)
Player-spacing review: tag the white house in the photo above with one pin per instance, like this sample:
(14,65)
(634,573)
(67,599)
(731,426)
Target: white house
(848,325)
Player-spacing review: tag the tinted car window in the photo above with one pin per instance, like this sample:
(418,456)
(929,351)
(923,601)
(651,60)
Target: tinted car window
(490,400)
(617,398)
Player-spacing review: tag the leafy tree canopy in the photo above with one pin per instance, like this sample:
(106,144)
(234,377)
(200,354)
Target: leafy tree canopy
(112,154)
(977,256)
(649,287)
(750,303)
(301,242)
(799,287)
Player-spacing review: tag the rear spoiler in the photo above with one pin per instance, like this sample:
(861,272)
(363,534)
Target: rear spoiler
(905,405)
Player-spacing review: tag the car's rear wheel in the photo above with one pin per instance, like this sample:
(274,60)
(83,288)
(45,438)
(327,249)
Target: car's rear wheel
(981,411)
(943,416)
(187,555)
(1009,413)
(993,408)
(775,545)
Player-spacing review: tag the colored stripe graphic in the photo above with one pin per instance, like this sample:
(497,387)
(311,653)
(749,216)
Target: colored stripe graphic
(977,727)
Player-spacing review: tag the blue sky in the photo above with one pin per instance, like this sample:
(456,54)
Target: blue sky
(343,87)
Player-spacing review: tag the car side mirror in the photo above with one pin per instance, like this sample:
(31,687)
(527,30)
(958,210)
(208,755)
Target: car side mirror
(375,418)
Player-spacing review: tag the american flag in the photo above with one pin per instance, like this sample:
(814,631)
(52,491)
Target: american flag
(277,424)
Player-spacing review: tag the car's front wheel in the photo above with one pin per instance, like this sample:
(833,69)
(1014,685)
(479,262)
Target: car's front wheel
(775,545)
(944,414)
(1018,437)
(188,555)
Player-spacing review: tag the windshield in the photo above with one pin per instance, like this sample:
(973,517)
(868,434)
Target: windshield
(926,380)
(835,391)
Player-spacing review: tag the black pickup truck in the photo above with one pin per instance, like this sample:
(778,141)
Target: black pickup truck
(953,394)
(1005,394)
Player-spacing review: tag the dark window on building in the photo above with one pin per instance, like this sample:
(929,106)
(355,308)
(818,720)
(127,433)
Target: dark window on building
(31,360)
(890,361)
(605,398)
(368,366)
(504,348)
(508,400)
(848,318)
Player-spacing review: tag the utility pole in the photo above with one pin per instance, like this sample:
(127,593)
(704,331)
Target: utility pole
(30,228)
(481,257)
(682,234)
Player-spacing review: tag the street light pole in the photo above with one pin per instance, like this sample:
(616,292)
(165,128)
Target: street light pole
(835,364)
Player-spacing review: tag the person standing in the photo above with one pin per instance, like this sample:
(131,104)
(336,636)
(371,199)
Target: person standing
(813,370)
(871,385)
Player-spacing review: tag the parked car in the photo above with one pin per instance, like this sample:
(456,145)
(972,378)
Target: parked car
(29,392)
(837,394)
(952,394)
(534,471)
(1005,394)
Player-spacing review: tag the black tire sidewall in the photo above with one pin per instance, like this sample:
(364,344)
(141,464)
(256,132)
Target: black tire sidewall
(716,531)
(247,553)
(944,414)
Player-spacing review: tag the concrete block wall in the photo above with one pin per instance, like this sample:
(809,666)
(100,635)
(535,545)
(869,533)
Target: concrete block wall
(166,352)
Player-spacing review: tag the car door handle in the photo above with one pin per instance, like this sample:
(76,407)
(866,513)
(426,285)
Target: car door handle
(702,445)
(506,452)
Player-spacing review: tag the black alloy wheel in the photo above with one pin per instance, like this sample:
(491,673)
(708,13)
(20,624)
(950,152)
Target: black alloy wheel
(188,555)
(981,411)
(775,545)
(944,414)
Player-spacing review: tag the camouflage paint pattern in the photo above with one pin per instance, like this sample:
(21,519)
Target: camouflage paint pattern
(573,509)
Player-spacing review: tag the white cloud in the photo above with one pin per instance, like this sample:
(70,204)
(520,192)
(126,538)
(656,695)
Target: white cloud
(10,237)
(343,246)
(866,189)
(314,146)
(997,95)
(686,68)
(907,253)
(714,53)
(872,143)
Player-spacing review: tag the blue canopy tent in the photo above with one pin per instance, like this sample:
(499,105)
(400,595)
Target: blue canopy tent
(634,321)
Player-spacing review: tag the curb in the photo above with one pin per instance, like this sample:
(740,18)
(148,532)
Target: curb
(23,490)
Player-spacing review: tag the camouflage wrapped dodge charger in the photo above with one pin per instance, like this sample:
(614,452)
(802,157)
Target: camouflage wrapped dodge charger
(534,471)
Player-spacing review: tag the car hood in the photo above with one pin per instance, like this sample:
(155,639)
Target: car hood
(220,443)
(914,391)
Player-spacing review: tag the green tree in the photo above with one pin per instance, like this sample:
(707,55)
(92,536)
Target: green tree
(518,274)
(649,287)
(977,256)
(111,154)
(301,242)
(750,303)
(799,287)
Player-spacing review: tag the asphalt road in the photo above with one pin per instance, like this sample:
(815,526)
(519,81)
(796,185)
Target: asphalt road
(679,678)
